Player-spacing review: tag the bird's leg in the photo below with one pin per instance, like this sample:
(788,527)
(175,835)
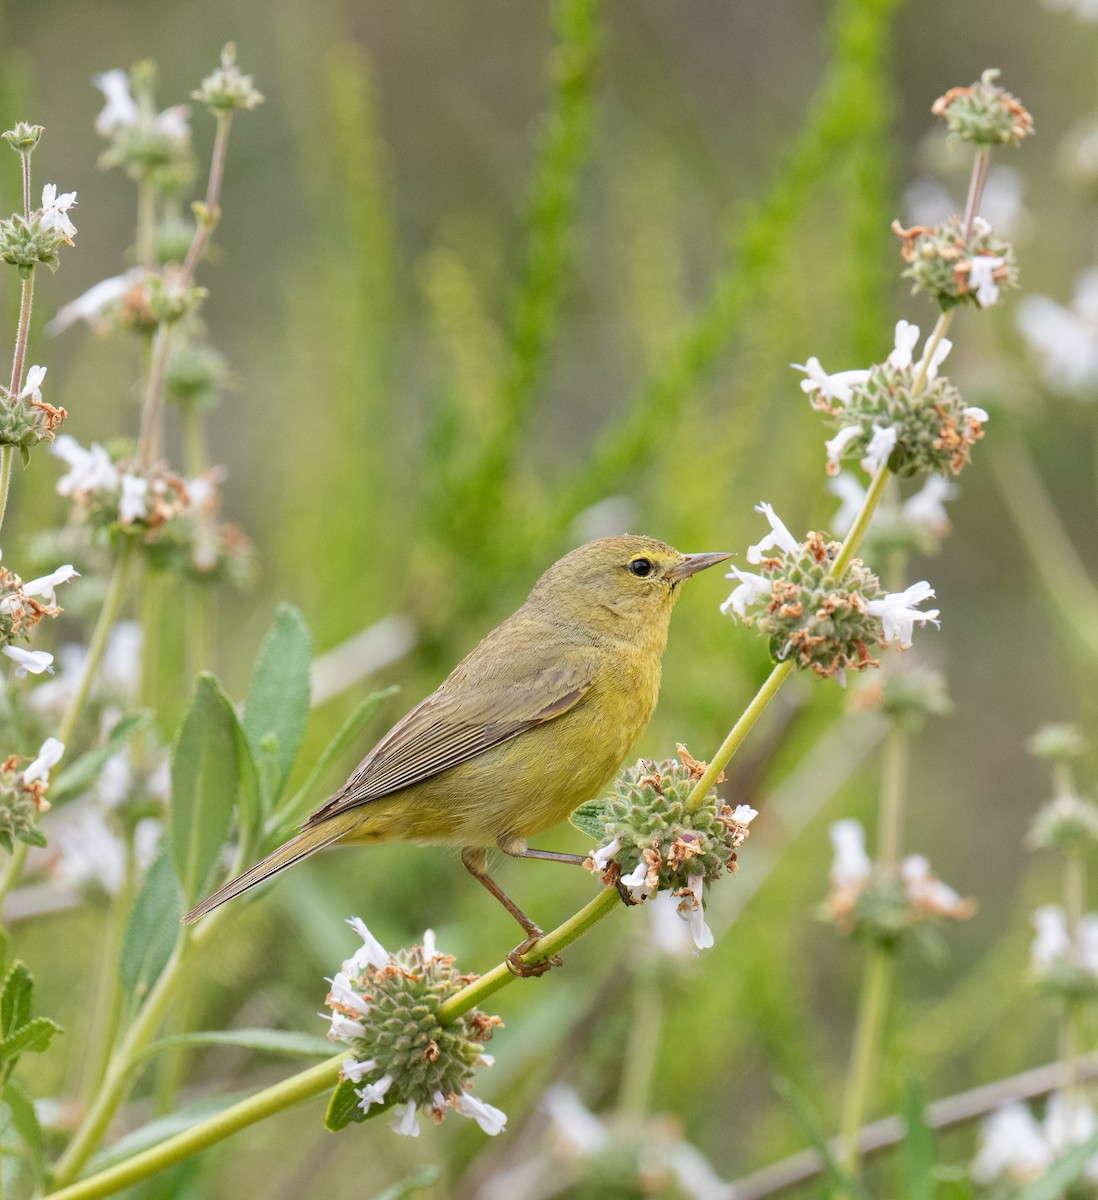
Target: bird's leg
(475,861)
(512,846)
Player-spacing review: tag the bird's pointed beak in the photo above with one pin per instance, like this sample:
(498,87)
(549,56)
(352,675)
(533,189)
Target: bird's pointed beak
(693,563)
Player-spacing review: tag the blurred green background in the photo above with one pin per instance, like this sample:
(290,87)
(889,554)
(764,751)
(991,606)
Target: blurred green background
(428,394)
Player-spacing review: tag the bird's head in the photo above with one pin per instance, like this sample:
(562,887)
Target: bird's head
(619,582)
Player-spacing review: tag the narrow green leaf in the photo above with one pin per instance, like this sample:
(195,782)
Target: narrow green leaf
(1062,1174)
(205,784)
(416,1182)
(589,818)
(153,927)
(806,1118)
(250,805)
(916,1162)
(286,1042)
(343,1107)
(15,999)
(25,1121)
(80,774)
(278,701)
(31,1038)
(305,797)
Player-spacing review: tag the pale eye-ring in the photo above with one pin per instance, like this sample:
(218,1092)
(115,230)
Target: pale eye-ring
(641,567)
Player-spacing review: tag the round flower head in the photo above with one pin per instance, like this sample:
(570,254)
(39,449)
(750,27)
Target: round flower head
(385,1008)
(984,113)
(953,268)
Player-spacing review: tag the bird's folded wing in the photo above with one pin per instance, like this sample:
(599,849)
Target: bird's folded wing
(445,730)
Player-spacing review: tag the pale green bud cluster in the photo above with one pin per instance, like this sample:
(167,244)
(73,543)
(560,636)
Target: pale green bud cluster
(26,244)
(25,421)
(1058,743)
(1067,820)
(954,270)
(227,88)
(20,806)
(984,113)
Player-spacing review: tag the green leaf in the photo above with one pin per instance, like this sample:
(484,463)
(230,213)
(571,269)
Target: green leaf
(425,1177)
(25,1121)
(917,1159)
(278,701)
(153,927)
(205,783)
(250,805)
(163,1128)
(31,1038)
(15,999)
(343,1107)
(589,818)
(80,774)
(286,1042)
(305,797)
(806,1118)
(1062,1174)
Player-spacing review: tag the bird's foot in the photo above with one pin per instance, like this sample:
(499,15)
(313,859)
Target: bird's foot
(525,970)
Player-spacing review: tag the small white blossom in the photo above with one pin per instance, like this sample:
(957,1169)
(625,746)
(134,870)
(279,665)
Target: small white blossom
(927,507)
(88,469)
(751,588)
(405,1121)
(635,881)
(898,613)
(55,211)
(1052,941)
(1011,1144)
(487,1116)
(836,446)
(33,386)
(354,1069)
(880,447)
(173,123)
(43,586)
(132,504)
(370,953)
(668,932)
(692,910)
(34,661)
(778,538)
(851,866)
(972,413)
(94,302)
(835,387)
(48,757)
(343,1028)
(927,890)
(981,278)
(374,1093)
(604,854)
(907,337)
(120,111)
(851,496)
(343,993)
(941,353)
(744,814)
(573,1121)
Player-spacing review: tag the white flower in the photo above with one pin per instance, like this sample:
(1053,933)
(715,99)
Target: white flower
(880,448)
(927,507)
(669,934)
(972,413)
(488,1117)
(851,495)
(94,302)
(87,850)
(34,661)
(131,504)
(172,123)
(343,993)
(778,538)
(43,586)
(744,814)
(370,953)
(120,111)
(48,758)
(604,854)
(1011,1144)
(573,1121)
(1088,942)
(851,866)
(927,890)
(1052,941)
(405,1122)
(374,1093)
(898,613)
(354,1069)
(832,387)
(55,211)
(981,278)
(836,446)
(941,352)
(1064,339)
(343,1028)
(692,910)
(430,950)
(88,469)
(750,589)
(635,880)
(33,386)
(907,336)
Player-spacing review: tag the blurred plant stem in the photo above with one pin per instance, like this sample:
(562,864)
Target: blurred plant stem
(862,1073)
(19,358)
(642,1048)
(146,223)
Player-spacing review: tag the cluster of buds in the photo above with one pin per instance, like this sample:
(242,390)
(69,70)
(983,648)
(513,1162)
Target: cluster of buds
(227,88)
(907,697)
(954,264)
(25,418)
(27,240)
(385,1008)
(984,113)
(136,300)
(150,145)
(174,519)
(872,900)
(22,606)
(653,842)
(900,413)
(23,794)
(1065,961)
(822,623)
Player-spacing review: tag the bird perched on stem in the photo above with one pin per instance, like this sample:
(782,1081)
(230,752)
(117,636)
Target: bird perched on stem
(536,720)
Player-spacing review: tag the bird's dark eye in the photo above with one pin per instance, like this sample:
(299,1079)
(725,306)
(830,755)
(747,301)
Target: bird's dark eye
(641,567)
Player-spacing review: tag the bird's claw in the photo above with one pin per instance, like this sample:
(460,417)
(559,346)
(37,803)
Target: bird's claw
(525,970)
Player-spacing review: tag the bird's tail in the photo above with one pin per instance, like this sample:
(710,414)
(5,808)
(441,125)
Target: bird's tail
(306,842)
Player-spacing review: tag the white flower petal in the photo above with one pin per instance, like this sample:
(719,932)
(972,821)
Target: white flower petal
(48,757)
(34,661)
(405,1122)
(898,614)
(851,865)
(488,1117)
(372,952)
(779,537)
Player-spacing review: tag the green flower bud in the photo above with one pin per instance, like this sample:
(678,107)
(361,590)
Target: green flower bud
(1059,743)
(227,89)
(984,113)
(24,137)
(952,270)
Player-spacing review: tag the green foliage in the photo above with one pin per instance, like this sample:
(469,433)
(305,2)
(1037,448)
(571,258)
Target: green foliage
(286,1043)
(153,927)
(81,774)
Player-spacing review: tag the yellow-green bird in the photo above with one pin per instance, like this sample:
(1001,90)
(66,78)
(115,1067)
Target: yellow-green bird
(536,720)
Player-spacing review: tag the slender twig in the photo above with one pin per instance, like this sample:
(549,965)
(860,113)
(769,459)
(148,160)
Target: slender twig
(872,1010)
(19,358)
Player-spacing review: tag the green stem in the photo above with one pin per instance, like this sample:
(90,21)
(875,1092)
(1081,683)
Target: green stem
(7,454)
(266,1103)
(861,523)
(208,216)
(19,358)
(872,1009)
(639,1065)
(146,224)
(738,732)
(937,333)
(893,774)
(152,410)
